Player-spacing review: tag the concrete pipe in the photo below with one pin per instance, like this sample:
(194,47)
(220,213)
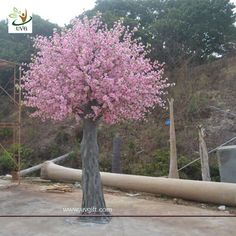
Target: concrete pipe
(200,191)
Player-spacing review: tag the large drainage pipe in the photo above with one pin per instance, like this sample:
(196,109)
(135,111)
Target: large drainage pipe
(200,191)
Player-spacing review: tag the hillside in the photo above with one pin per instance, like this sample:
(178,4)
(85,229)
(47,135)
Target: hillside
(180,33)
(145,144)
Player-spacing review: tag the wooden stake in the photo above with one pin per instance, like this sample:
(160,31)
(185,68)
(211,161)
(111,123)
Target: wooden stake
(173,169)
(203,155)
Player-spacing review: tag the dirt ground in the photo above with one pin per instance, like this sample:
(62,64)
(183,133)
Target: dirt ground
(32,198)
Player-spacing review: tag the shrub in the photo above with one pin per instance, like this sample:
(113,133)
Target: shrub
(197,106)
(62,137)
(159,166)
(105,163)
(192,171)
(5,133)
(7,163)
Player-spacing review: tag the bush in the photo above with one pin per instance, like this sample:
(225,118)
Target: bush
(162,160)
(197,107)
(159,166)
(7,163)
(62,138)
(5,133)
(74,159)
(105,163)
(192,171)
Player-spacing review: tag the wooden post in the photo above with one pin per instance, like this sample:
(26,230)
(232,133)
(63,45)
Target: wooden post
(116,163)
(203,155)
(173,169)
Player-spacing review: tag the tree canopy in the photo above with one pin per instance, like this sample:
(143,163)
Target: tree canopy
(176,29)
(18,47)
(90,71)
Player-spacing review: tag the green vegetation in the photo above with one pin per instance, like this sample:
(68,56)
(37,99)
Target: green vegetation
(159,166)
(176,30)
(105,163)
(18,47)
(5,133)
(197,106)
(7,161)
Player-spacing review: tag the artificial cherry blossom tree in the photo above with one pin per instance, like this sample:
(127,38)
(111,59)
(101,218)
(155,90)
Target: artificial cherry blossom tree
(92,73)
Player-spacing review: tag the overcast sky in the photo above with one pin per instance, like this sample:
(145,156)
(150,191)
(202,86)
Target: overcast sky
(56,11)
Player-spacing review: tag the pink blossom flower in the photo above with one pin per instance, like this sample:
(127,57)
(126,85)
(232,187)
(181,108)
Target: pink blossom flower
(92,66)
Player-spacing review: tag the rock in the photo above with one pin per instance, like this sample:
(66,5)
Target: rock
(221,208)
(7,177)
(77,185)
(132,194)
(176,200)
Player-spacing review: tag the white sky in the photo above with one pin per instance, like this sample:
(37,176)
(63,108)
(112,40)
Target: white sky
(56,11)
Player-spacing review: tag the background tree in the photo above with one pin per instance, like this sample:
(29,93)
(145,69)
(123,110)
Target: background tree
(177,30)
(90,72)
(19,47)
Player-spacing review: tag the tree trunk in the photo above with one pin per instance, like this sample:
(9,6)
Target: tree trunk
(93,198)
(116,165)
(173,169)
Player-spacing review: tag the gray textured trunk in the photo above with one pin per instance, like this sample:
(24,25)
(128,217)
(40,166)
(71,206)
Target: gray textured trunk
(116,163)
(93,197)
